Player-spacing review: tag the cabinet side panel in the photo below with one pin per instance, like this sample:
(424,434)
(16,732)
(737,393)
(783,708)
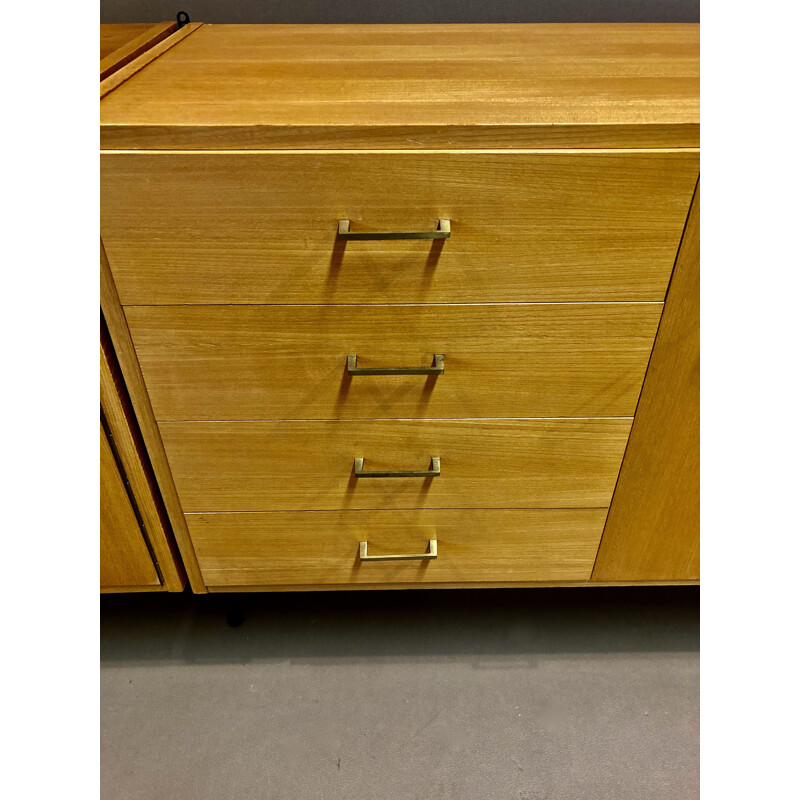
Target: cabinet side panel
(653,526)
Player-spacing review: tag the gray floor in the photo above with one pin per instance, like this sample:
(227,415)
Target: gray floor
(515,694)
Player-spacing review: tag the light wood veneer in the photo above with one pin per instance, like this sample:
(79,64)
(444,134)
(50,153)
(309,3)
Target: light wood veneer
(121,44)
(137,550)
(653,529)
(135,469)
(415,87)
(113,37)
(262,227)
(564,157)
(263,466)
(290,362)
(124,557)
(140,403)
(321,548)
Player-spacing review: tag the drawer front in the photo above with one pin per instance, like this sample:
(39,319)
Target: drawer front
(322,548)
(290,362)
(274,466)
(261,227)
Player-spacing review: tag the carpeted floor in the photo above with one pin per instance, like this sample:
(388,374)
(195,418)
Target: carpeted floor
(466,695)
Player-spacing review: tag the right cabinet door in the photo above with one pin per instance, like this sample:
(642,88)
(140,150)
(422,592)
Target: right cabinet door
(653,527)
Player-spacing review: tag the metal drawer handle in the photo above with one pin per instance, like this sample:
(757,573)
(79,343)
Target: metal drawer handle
(431,554)
(442,232)
(436,369)
(433,472)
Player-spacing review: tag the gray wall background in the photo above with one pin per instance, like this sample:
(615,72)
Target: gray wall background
(385,11)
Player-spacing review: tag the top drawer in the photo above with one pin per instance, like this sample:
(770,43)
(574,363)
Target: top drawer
(261,227)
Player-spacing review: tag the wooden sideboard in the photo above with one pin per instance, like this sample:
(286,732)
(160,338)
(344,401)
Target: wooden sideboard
(385,300)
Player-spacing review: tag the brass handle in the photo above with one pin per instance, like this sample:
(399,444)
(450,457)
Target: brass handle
(431,554)
(442,232)
(433,472)
(436,369)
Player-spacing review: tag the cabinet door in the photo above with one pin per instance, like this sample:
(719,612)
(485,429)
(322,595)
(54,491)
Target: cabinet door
(124,558)
(653,527)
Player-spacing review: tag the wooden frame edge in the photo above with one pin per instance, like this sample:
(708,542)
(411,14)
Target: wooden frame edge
(129,365)
(131,589)
(124,429)
(337,587)
(682,136)
(135,47)
(117,78)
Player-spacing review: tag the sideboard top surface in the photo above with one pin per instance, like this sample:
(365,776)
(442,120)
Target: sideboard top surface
(413,86)
(112,37)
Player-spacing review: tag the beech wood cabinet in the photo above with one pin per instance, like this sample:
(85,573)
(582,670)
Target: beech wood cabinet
(385,300)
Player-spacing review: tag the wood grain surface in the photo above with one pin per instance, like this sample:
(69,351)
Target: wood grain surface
(124,557)
(274,466)
(124,430)
(289,362)
(262,227)
(129,366)
(321,548)
(653,528)
(112,37)
(415,86)
(120,47)
(147,55)
(477,584)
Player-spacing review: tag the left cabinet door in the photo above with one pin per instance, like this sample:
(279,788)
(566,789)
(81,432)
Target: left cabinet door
(125,560)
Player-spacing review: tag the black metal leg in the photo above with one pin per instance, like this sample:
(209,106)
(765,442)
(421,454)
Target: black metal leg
(234,612)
